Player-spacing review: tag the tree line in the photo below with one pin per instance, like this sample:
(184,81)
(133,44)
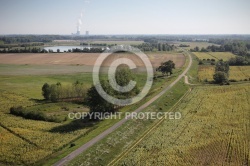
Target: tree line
(39,50)
(237,48)
(155,46)
(57,92)
(87,50)
(25,50)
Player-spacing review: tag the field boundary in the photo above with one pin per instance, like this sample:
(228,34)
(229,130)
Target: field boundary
(19,136)
(212,56)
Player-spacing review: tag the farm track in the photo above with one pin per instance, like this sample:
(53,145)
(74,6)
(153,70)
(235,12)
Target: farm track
(87,145)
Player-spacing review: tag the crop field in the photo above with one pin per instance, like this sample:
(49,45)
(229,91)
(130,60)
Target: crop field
(195,44)
(34,70)
(24,141)
(87,59)
(238,73)
(27,141)
(214,55)
(213,130)
(36,140)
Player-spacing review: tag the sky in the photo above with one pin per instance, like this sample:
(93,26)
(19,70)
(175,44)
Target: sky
(103,17)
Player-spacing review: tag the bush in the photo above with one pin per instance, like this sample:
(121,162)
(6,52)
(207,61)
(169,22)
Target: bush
(72,145)
(233,80)
(220,77)
(34,115)
(17,111)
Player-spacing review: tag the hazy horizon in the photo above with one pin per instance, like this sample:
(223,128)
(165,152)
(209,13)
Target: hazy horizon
(207,17)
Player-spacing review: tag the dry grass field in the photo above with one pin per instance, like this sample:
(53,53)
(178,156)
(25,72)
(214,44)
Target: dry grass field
(67,63)
(87,59)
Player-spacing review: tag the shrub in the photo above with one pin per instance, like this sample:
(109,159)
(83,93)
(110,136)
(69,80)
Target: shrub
(201,63)
(233,80)
(72,145)
(34,115)
(220,77)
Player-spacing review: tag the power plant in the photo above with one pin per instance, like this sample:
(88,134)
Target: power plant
(79,23)
(78,26)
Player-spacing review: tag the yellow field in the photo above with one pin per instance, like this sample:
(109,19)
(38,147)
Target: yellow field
(24,142)
(203,55)
(222,55)
(238,73)
(213,130)
(214,55)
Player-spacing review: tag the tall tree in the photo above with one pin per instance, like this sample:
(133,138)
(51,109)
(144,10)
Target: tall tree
(46,91)
(221,72)
(95,101)
(222,66)
(123,76)
(159,46)
(220,77)
(166,67)
(164,47)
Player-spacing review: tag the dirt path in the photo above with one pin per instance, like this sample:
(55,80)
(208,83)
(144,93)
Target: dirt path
(87,145)
(186,80)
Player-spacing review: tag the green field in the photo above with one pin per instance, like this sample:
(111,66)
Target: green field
(27,69)
(214,55)
(195,44)
(214,130)
(238,73)
(36,140)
